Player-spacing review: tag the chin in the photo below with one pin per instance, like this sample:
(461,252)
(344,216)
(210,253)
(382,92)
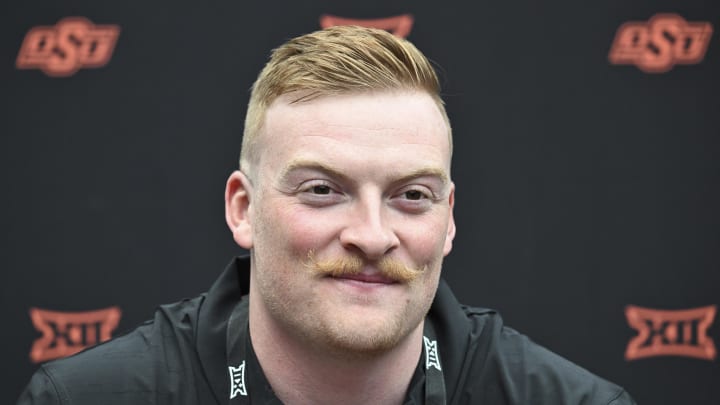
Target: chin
(363,340)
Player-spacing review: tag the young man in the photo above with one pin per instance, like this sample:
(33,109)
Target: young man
(344,199)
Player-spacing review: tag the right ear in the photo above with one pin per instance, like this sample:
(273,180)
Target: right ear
(237,208)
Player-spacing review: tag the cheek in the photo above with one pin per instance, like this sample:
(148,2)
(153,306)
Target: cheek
(425,240)
(298,228)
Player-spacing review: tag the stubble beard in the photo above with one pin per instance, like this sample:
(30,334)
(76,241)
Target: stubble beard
(336,334)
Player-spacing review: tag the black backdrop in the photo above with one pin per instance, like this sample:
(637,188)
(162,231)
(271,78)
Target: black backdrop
(582,186)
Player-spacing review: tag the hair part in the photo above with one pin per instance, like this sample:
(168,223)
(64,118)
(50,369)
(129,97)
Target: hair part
(333,61)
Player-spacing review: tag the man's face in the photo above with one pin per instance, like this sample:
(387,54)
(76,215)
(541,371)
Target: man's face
(361,175)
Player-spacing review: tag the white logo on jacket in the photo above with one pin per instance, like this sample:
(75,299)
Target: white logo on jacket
(237,380)
(432,359)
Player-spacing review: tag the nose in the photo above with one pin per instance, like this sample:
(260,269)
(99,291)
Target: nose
(368,231)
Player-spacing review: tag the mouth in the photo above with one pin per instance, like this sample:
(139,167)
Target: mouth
(366,278)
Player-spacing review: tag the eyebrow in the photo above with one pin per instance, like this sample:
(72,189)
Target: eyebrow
(302,164)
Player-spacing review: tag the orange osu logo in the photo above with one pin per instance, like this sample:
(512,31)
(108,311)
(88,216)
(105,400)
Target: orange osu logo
(66,333)
(657,45)
(670,333)
(399,25)
(73,43)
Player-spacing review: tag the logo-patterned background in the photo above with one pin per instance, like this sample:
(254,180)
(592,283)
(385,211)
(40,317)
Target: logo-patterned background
(587,175)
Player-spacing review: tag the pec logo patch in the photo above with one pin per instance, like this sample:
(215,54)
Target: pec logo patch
(399,25)
(73,43)
(670,333)
(657,45)
(66,333)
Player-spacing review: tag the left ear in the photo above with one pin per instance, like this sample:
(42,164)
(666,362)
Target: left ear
(451,222)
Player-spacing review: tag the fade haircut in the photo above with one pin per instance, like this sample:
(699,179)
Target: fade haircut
(337,60)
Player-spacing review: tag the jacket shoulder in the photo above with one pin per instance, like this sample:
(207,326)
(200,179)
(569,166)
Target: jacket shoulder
(151,361)
(508,367)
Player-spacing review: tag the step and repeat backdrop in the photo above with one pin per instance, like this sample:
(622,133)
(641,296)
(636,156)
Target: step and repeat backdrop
(587,168)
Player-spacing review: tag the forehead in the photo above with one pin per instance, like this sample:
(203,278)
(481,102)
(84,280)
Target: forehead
(371,123)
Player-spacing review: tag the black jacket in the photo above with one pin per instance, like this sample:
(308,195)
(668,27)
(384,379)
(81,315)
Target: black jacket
(180,357)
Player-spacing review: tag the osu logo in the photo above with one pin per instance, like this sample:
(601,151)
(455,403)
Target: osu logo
(657,45)
(66,333)
(73,43)
(670,333)
(399,25)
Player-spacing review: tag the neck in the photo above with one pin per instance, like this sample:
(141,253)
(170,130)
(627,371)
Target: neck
(301,374)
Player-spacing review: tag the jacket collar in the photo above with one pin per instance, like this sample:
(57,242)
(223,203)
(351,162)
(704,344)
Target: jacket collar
(453,334)
(221,299)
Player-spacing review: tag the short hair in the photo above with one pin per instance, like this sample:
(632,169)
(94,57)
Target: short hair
(333,61)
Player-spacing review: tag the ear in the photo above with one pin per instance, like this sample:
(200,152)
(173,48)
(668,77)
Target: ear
(451,222)
(238,191)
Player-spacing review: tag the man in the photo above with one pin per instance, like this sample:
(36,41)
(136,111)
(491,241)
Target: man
(344,200)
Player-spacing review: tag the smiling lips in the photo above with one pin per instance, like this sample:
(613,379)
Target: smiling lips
(366,278)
